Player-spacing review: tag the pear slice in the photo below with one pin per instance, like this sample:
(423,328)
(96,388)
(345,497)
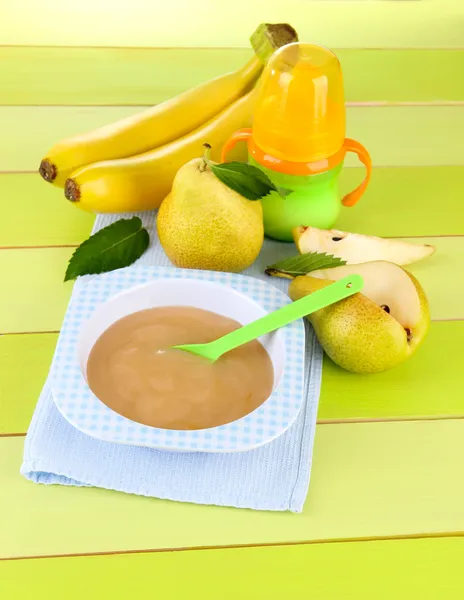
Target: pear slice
(357,248)
(373,331)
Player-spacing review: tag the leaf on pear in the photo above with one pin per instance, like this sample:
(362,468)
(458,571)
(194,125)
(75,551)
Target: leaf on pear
(283,191)
(303,264)
(247,180)
(114,247)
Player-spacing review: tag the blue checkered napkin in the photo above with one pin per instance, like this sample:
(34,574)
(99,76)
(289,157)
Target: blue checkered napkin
(272,477)
(83,410)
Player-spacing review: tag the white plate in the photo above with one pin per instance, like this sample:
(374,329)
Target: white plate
(96,305)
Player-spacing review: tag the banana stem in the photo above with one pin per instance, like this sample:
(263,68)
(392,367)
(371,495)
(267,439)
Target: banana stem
(71,190)
(48,170)
(269,37)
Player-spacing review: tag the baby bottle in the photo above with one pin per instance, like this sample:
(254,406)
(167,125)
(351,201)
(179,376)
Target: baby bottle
(298,139)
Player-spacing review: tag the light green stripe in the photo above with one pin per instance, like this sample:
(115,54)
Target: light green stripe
(426,568)
(395,136)
(35,214)
(374,479)
(406,202)
(21,354)
(37,298)
(29,132)
(415,136)
(409,391)
(414,389)
(428,24)
(440,277)
(107,76)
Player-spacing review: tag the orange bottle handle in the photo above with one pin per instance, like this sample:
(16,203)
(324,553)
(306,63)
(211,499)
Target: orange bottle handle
(363,155)
(242,135)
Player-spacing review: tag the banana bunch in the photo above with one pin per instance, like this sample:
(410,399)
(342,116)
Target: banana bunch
(130,165)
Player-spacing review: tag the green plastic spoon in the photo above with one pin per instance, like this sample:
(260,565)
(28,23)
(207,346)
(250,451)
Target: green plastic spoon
(275,320)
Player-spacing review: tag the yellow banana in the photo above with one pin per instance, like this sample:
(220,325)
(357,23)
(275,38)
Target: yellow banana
(142,182)
(154,127)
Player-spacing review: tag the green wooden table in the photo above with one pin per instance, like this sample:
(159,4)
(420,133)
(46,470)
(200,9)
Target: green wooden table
(385,512)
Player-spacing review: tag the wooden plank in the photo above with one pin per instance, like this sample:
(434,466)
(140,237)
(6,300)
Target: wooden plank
(368,480)
(410,391)
(35,213)
(24,364)
(29,132)
(404,201)
(37,297)
(396,204)
(439,276)
(430,24)
(402,76)
(105,76)
(424,568)
(399,202)
(414,389)
(395,136)
(401,135)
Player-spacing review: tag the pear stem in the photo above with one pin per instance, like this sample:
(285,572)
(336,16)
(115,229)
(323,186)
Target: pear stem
(277,273)
(206,159)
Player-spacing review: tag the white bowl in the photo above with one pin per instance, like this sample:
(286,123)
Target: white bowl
(181,292)
(96,305)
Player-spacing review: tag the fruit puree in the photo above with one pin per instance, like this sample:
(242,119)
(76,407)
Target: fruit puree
(133,370)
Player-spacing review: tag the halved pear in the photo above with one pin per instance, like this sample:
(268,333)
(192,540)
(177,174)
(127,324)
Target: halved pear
(357,248)
(373,331)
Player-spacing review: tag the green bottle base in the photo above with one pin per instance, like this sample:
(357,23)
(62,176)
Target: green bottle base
(314,201)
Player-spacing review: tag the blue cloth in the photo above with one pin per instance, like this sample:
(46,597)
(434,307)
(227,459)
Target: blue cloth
(272,477)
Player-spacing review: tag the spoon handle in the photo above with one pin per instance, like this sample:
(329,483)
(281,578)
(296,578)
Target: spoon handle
(291,312)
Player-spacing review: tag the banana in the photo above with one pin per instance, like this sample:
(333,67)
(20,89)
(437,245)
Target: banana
(168,121)
(151,128)
(142,182)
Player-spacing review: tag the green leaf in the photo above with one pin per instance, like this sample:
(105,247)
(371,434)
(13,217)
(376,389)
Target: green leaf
(246,180)
(116,246)
(283,191)
(303,264)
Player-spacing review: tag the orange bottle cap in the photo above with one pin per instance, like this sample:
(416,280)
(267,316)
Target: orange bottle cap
(300,109)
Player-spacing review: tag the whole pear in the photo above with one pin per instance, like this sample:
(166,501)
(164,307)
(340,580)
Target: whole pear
(375,330)
(203,224)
